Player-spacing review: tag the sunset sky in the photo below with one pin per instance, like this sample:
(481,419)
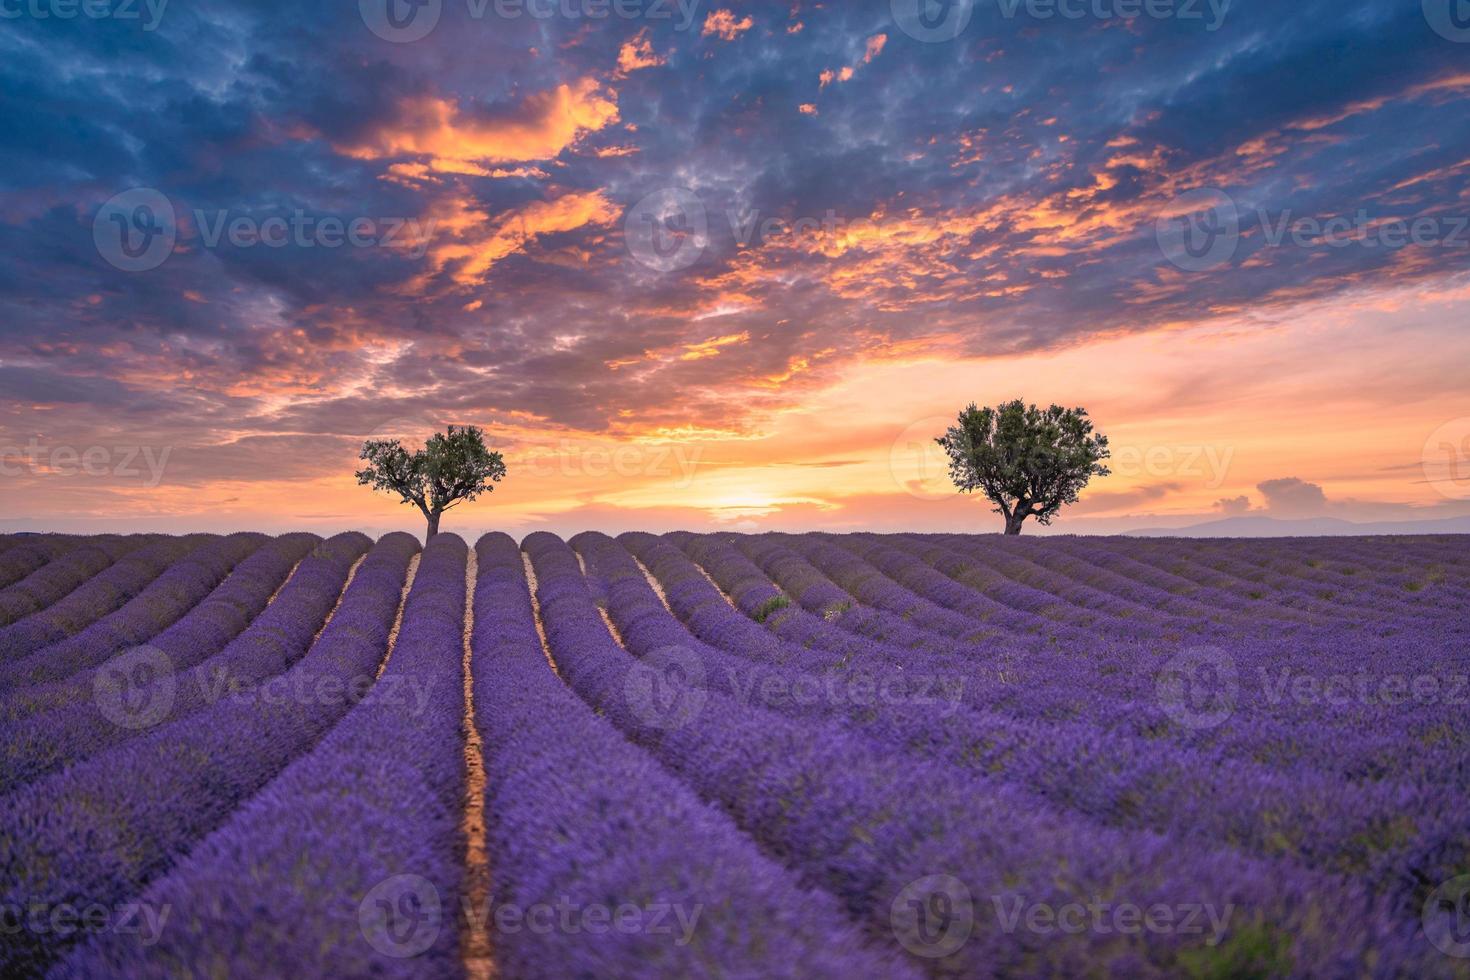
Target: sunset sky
(707,266)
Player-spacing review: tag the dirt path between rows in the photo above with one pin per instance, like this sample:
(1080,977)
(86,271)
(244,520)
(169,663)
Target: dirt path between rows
(351,574)
(475,949)
(536,610)
(413,568)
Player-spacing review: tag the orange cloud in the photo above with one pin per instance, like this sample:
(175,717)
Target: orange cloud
(722,24)
(711,348)
(829,76)
(458,139)
(478,244)
(638,53)
(871,50)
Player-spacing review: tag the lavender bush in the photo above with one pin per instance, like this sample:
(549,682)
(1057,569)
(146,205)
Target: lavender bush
(826,755)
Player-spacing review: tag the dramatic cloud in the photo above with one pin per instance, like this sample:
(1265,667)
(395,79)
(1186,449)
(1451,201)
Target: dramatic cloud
(465,236)
(459,138)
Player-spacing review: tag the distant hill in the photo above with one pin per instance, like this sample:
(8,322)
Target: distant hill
(1272,527)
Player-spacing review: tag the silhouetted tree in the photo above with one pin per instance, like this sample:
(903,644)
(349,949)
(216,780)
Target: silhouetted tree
(1031,462)
(451,468)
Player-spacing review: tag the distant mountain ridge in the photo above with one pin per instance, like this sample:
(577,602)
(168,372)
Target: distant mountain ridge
(1274,527)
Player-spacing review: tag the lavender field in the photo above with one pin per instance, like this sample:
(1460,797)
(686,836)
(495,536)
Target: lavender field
(712,755)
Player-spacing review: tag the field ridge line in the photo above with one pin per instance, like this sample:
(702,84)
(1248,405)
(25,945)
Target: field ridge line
(351,574)
(284,582)
(714,585)
(653,583)
(413,568)
(536,611)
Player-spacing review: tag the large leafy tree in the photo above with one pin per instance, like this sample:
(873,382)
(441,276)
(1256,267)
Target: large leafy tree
(452,468)
(1031,462)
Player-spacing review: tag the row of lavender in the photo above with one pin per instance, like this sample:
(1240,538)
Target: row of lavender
(1385,843)
(792,756)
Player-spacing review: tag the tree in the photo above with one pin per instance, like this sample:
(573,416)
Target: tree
(451,468)
(1031,462)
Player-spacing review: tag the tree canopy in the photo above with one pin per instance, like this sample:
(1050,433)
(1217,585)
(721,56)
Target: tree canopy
(1031,462)
(453,467)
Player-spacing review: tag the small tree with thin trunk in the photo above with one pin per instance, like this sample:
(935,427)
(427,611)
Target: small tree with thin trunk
(1031,462)
(451,468)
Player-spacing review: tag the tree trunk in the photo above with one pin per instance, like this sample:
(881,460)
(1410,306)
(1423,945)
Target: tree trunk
(1014,522)
(433,526)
